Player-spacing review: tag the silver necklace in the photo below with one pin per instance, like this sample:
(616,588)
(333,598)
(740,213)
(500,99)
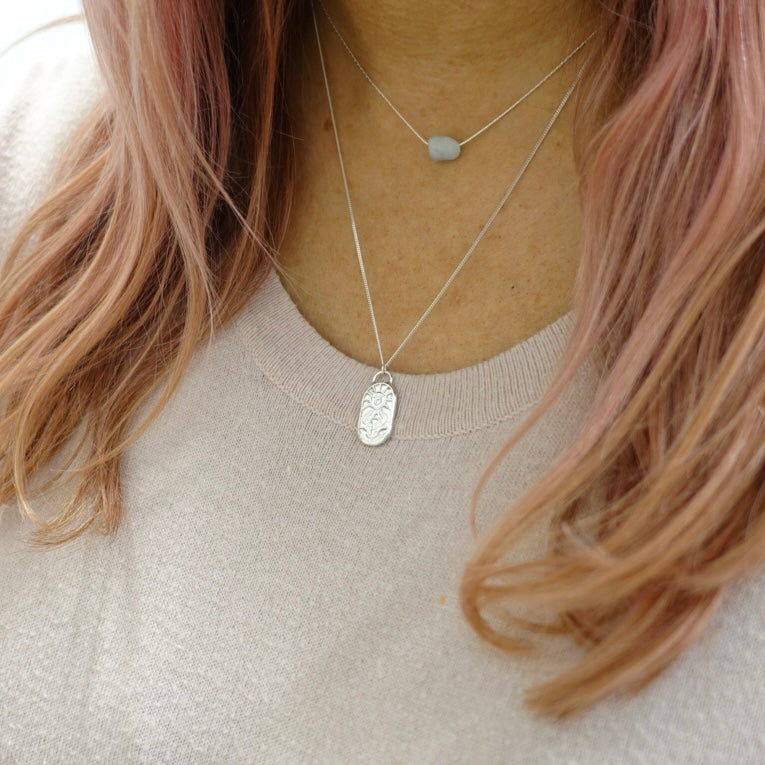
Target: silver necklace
(444,147)
(378,404)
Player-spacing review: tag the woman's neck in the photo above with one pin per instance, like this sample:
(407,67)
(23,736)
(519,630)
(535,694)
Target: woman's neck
(449,68)
(441,50)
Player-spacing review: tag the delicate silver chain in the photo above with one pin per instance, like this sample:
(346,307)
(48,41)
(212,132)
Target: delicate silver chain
(385,364)
(477,132)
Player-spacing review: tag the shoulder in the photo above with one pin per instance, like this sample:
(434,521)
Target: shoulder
(48,83)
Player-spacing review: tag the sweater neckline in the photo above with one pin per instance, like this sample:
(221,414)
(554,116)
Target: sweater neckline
(303,364)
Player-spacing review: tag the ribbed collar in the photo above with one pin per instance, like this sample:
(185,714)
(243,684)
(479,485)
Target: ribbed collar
(315,374)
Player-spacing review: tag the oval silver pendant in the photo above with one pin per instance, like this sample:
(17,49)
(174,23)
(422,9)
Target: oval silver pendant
(378,408)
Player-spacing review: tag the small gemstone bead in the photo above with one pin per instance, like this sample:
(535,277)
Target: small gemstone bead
(443,147)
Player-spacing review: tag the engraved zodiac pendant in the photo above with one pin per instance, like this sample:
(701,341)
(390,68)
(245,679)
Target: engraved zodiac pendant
(378,407)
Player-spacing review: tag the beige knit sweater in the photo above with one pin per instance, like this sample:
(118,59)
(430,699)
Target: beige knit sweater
(279,593)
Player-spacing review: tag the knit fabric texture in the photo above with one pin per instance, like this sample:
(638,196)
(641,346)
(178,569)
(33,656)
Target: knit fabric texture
(279,593)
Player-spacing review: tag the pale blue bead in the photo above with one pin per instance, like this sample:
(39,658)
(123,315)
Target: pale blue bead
(443,147)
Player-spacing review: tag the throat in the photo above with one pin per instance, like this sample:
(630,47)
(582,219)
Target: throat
(448,42)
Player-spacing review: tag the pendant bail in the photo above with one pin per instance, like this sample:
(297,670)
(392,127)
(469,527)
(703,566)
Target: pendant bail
(383,371)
